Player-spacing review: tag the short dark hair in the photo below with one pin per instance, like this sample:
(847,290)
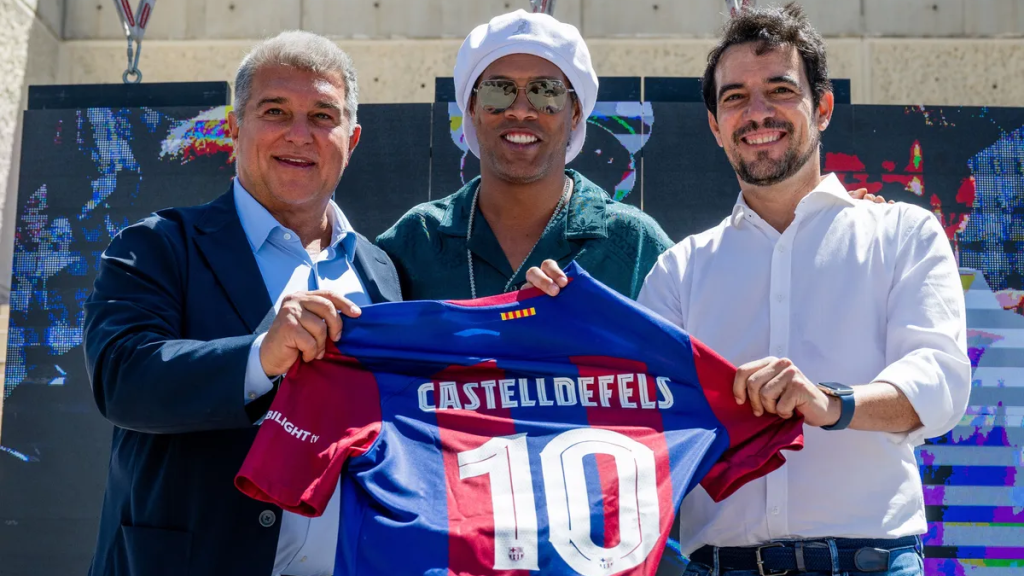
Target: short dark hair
(770,27)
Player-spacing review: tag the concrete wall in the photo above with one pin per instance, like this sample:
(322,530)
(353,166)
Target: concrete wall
(29,51)
(236,19)
(30,32)
(963,71)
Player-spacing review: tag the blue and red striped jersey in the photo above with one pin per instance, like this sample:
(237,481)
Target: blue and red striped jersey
(518,434)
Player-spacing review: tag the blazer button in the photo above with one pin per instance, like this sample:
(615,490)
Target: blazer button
(267,518)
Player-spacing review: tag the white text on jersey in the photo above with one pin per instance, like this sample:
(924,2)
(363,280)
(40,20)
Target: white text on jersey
(289,427)
(589,391)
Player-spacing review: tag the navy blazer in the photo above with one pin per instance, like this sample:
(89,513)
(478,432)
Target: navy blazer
(175,308)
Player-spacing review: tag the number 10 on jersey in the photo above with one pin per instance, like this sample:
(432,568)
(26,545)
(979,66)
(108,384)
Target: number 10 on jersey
(506,460)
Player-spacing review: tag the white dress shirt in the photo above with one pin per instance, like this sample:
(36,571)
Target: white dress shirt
(306,547)
(852,292)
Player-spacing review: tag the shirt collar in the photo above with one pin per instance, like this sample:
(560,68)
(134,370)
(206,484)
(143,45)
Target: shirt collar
(829,192)
(585,219)
(258,223)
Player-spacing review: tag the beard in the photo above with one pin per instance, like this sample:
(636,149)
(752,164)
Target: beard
(766,171)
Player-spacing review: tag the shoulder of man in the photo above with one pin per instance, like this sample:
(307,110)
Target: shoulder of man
(702,244)
(916,224)
(908,215)
(154,249)
(371,249)
(166,230)
(166,226)
(902,222)
(422,219)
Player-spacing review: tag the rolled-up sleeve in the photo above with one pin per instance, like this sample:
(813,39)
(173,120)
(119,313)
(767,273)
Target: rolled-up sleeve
(926,337)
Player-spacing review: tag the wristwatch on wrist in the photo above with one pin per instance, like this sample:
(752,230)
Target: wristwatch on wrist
(847,403)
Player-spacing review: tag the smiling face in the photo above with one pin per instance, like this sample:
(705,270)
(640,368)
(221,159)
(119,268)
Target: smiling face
(767,121)
(520,144)
(294,141)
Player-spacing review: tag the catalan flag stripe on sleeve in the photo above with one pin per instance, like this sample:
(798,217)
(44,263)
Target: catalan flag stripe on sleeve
(516,314)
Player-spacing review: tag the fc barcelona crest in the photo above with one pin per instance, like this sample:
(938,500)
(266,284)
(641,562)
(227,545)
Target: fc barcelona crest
(516,553)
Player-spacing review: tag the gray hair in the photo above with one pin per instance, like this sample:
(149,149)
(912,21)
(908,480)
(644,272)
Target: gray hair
(302,50)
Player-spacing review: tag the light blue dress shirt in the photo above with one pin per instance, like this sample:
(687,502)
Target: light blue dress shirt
(306,546)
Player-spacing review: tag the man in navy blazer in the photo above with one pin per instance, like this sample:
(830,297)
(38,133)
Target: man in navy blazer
(197,311)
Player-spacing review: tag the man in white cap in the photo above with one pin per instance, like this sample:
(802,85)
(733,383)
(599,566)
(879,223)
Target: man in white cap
(525,85)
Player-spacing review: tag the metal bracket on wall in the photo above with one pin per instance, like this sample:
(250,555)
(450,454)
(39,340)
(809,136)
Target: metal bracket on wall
(735,6)
(134,23)
(545,6)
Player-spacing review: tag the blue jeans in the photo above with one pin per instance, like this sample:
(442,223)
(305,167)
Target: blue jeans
(902,562)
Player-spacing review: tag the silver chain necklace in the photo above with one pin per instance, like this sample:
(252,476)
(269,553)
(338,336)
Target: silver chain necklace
(563,201)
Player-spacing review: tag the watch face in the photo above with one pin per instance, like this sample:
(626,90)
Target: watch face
(835,388)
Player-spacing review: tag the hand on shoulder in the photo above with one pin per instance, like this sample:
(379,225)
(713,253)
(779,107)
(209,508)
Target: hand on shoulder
(862,194)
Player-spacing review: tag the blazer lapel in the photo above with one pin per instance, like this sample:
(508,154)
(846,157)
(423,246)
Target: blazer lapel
(222,242)
(375,271)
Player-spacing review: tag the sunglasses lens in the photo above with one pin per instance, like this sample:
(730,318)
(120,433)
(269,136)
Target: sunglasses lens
(496,95)
(547,96)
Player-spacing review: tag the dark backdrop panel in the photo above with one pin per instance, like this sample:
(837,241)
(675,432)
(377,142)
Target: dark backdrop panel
(668,89)
(451,163)
(841,90)
(153,95)
(689,185)
(390,169)
(85,174)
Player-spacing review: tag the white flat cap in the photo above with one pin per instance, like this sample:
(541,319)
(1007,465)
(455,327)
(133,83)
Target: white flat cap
(522,32)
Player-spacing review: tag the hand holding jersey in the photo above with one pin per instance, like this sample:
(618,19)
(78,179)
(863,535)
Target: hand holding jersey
(777,386)
(301,329)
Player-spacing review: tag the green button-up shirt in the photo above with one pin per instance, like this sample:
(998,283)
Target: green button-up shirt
(615,242)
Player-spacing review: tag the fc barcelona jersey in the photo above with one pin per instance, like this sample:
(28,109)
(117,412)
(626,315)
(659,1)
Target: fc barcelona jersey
(519,434)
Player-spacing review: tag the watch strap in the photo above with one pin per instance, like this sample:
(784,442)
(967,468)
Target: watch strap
(847,405)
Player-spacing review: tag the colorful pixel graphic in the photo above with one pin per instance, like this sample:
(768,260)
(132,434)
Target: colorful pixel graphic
(204,135)
(973,476)
(53,239)
(974,493)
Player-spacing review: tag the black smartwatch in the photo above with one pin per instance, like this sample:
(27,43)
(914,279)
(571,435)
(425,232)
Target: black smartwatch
(847,403)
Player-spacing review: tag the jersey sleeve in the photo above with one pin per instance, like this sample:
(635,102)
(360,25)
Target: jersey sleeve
(325,412)
(755,443)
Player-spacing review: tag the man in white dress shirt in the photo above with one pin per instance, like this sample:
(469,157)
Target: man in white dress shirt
(848,314)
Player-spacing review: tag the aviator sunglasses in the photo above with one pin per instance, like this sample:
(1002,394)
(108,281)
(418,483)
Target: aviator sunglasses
(547,96)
